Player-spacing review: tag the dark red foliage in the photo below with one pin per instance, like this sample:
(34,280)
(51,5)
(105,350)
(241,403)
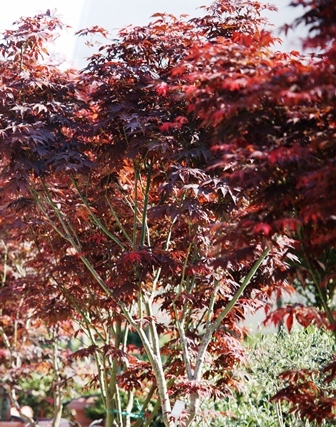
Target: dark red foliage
(319,17)
(274,127)
(309,400)
(273,121)
(304,315)
(104,175)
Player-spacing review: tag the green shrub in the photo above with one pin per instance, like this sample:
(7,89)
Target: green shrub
(269,355)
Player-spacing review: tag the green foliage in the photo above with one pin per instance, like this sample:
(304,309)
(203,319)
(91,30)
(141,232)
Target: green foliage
(269,355)
(36,392)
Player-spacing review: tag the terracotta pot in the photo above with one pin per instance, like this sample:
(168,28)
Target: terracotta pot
(47,422)
(11,424)
(78,406)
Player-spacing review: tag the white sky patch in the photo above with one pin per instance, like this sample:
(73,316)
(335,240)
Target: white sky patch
(116,14)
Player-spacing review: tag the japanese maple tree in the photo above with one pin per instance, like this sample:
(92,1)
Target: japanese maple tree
(111,174)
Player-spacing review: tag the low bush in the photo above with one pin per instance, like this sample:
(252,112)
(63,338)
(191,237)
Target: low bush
(269,355)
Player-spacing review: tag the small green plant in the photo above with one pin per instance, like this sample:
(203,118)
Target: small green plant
(36,392)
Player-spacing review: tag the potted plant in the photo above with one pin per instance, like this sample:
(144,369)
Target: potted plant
(6,418)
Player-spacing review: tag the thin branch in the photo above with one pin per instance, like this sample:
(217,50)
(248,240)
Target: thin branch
(214,326)
(5,260)
(96,220)
(135,220)
(145,207)
(115,216)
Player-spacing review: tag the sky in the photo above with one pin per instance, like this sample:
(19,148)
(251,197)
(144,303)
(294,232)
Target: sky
(113,15)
